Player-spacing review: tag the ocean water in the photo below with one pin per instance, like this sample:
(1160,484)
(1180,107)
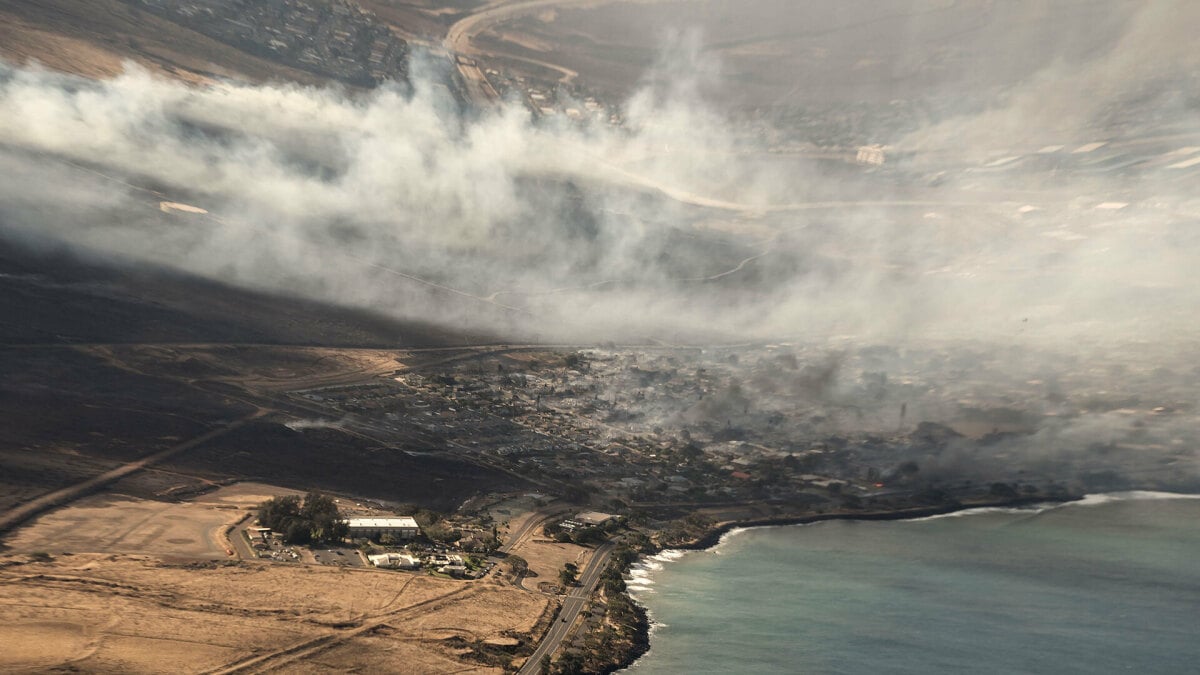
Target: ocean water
(1107,585)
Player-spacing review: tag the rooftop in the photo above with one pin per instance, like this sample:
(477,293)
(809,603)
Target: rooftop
(594,517)
(381,522)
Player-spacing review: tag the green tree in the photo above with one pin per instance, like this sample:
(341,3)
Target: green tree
(566,577)
(315,519)
(442,533)
(589,535)
(571,663)
(278,512)
(297,532)
(519,565)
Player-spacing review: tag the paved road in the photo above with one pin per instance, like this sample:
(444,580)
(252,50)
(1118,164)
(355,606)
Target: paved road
(23,512)
(572,605)
(531,524)
(236,539)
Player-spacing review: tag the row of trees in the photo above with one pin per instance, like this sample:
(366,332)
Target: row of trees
(316,519)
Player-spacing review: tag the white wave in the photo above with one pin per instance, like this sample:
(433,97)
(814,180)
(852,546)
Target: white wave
(735,532)
(739,531)
(1041,507)
(649,564)
(1131,495)
(638,578)
(728,537)
(1027,510)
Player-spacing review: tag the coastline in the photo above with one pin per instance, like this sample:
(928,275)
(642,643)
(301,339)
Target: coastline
(641,640)
(714,534)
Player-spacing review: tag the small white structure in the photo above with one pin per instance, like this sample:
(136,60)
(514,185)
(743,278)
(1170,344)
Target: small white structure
(400,561)
(453,569)
(449,564)
(369,528)
(870,155)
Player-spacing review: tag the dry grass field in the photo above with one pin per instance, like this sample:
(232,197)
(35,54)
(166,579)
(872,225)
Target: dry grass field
(547,557)
(113,613)
(114,523)
(118,584)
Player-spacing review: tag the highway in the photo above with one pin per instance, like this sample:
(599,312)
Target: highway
(572,605)
(531,524)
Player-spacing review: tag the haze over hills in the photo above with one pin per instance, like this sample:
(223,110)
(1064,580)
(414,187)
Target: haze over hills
(689,220)
(51,295)
(1039,202)
(1031,203)
(569,282)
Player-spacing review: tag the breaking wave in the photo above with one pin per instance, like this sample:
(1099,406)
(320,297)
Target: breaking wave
(1087,500)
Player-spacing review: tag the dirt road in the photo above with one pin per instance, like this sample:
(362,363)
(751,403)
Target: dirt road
(20,514)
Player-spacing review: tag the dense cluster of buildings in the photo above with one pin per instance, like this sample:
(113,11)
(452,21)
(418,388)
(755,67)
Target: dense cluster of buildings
(768,423)
(334,38)
(549,100)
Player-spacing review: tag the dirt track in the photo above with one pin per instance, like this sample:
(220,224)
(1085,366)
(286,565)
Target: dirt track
(106,612)
(24,512)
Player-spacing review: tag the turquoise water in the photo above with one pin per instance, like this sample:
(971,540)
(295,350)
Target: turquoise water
(1109,585)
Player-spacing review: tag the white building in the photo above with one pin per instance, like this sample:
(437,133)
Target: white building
(397,560)
(370,528)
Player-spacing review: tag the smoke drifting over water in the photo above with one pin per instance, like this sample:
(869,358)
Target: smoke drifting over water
(681,226)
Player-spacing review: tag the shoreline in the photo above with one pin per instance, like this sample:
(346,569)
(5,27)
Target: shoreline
(713,536)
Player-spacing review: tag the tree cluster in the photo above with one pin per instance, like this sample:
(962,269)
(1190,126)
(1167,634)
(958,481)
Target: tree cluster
(316,519)
(568,574)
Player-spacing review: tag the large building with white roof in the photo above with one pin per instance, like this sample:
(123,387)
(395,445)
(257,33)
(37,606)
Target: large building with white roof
(370,528)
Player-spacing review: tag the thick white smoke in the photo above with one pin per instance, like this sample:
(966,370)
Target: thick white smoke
(677,226)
